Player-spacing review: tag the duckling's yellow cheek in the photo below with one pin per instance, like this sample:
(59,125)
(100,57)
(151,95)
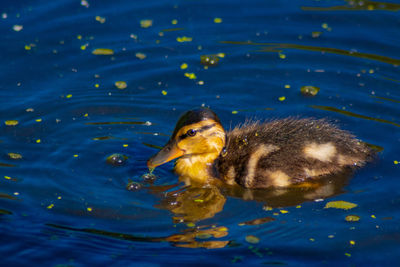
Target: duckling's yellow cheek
(323,152)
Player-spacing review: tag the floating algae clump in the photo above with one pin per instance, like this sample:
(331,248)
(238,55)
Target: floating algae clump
(309,90)
(116,159)
(209,60)
(340,205)
(120,85)
(103,51)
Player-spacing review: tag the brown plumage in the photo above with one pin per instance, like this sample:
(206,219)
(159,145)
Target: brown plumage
(286,150)
(278,153)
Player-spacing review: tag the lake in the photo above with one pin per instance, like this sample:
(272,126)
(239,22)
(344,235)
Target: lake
(83,80)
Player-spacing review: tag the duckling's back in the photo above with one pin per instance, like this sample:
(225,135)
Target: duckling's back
(288,151)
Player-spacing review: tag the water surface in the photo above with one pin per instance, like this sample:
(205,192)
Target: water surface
(63,204)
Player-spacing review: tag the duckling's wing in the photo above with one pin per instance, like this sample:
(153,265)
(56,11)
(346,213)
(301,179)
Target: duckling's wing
(283,152)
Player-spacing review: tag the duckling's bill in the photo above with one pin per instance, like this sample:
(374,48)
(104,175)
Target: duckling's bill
(169,152)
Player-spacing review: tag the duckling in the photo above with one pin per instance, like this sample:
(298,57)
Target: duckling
(277,153)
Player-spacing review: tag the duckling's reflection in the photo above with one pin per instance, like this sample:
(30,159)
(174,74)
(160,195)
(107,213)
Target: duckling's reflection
(194,203)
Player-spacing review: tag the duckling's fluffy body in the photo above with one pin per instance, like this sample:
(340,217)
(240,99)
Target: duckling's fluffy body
(283,152)
(278,153)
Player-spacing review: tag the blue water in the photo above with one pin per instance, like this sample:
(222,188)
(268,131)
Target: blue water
(62,204)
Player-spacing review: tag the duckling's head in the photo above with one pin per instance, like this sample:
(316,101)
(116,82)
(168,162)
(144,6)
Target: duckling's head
(198,139)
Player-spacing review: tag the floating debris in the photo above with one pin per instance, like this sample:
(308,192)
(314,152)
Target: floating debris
(133,186)
(11,178)
(184,39)
(209,60)
(116,159)
(252,239)
(258,221)
(103,51)
(217,20)
(352,218)
(184,66)
(164,92)
(100,19)
(146,23)
(18,28)
(140,56)
(149,177)
(340,205)
(326,27)
(14,155)
(282,98)
(309,90)
(11,122)
(7,165)
(191,76)
(85,3)
(316,34)
(120,85)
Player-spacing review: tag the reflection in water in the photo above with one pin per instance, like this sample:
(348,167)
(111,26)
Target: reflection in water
(5,212)
(352,114)
(193,204)
(358,5)
(279,47)
(192,238)
(119,122)
(6,165)
(172,29)
(151,145)
(7,196)
(385,98)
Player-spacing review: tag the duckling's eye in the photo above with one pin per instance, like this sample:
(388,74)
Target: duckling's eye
(191,132)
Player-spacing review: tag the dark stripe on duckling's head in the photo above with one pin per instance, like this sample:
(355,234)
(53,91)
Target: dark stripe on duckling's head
(195,116)
(193,132)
